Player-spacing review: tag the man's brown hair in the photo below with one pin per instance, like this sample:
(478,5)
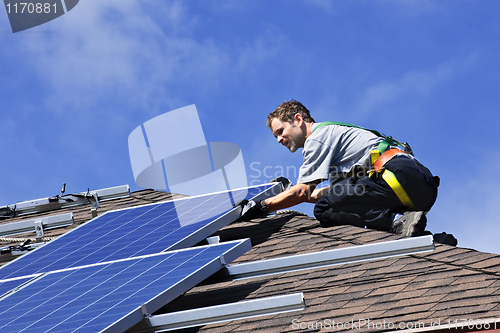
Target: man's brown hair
(287,110)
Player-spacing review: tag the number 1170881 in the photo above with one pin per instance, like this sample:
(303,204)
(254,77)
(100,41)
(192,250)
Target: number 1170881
(31,8)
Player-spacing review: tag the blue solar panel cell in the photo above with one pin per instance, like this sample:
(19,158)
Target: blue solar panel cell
(134,232)
(107,296)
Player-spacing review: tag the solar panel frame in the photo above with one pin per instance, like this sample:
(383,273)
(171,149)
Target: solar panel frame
(224,220)
(146,288)
(36,264)
(9,285)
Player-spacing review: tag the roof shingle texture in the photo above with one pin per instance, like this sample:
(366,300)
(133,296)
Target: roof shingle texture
(450,283)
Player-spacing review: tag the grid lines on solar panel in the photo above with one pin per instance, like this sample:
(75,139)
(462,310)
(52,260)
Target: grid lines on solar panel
(93,298)
(127,233)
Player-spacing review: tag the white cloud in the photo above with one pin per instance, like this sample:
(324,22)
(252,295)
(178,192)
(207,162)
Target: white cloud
(107,67)
(267,46)
(409,85)
(412,83)
(114,50)
(140,53)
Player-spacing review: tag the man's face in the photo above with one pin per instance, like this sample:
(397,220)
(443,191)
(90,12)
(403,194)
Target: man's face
(288,134)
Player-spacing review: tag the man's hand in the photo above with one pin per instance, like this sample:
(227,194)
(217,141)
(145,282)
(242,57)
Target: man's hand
(251,209)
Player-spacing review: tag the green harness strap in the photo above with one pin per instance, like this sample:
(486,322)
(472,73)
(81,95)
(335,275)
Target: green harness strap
(388,140)
(387,175)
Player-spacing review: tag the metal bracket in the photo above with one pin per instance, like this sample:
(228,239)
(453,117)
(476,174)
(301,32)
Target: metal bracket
(222,261)
(213,240)
(144,311)
(39,230)
(96,203)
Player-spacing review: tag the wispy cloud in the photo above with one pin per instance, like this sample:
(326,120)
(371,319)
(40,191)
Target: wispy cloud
(108,67)
(266,46)
(415,83)
(410,85)
(118,51)
(114,49)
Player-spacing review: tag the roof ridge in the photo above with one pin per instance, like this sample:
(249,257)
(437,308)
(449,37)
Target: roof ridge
(463,266)
(336,238)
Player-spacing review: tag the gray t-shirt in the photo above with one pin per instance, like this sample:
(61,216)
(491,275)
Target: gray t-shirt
(332,151)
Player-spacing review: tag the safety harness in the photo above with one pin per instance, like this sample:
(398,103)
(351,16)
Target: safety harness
(382,155)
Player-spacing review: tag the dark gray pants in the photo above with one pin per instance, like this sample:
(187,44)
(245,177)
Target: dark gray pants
(370,202)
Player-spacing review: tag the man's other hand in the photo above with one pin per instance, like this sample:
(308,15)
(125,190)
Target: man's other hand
(250,209)
(285,183)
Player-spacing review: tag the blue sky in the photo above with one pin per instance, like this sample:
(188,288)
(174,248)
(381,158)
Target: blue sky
(426,72)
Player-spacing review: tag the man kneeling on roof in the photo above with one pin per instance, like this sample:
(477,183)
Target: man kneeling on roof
(374,182)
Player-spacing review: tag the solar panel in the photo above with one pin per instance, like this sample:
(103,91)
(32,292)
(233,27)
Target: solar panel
(111,296)
(137,231)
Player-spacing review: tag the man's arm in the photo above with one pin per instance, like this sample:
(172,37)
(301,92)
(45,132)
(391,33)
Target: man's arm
(318,194)
(295,195)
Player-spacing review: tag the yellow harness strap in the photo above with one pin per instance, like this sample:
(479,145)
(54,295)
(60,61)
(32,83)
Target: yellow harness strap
(392,181)
(374,155)
(378,160)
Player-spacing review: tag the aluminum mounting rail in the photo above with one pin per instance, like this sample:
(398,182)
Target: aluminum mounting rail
(49,222)
(331,257)
(70,200)
(221,313)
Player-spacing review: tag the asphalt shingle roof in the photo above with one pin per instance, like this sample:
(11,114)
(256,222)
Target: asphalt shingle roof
(450,283)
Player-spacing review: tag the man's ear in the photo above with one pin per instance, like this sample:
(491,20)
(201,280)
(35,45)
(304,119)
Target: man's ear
(298,119)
